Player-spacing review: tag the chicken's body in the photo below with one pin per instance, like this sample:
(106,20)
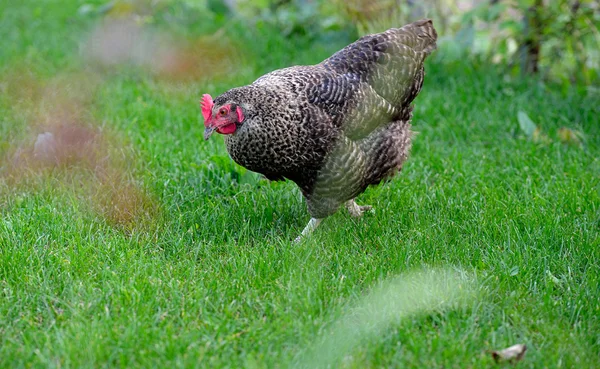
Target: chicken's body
(333,128)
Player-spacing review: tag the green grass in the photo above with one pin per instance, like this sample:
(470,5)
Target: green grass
(201,270)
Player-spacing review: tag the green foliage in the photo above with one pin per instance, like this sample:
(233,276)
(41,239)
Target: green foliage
(567,31)
(374,16)
(315,21)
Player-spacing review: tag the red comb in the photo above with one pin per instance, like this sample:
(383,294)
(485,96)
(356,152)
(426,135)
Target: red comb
(207,105)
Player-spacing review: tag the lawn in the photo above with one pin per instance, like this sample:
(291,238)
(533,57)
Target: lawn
(146,246)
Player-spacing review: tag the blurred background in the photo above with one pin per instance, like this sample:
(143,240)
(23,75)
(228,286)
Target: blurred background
(558,39)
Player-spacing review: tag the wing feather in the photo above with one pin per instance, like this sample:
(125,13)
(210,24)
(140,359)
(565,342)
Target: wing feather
(371,81)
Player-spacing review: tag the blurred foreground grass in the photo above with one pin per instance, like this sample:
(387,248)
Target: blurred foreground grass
(139,244)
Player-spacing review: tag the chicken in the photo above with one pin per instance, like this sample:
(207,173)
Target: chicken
(333,128)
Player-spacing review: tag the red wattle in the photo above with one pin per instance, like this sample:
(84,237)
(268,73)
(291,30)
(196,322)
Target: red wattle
(228,129)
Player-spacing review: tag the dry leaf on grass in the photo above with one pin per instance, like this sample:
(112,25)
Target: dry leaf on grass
(569,136)
(513,353)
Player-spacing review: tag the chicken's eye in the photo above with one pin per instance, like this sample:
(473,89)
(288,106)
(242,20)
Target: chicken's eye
(222,111)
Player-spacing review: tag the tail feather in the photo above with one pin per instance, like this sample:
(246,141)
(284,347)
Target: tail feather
(426,35)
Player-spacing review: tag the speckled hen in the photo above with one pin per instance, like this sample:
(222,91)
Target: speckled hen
(334,128)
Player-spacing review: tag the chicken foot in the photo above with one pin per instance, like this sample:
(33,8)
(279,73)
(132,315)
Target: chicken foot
(353,208)
(357,210)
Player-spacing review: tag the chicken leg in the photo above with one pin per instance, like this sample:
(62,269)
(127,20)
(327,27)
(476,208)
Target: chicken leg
(310,227)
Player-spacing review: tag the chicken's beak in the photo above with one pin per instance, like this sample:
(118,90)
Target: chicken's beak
(208,131)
